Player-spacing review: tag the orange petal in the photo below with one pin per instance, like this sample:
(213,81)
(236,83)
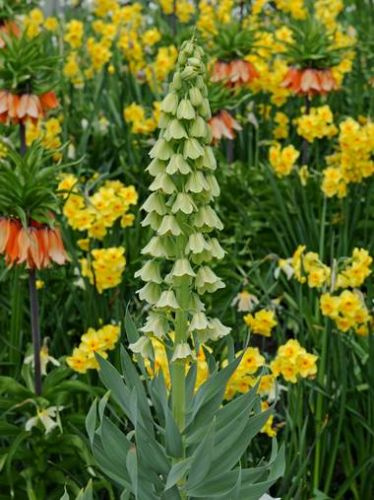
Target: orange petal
(3,101)
(56,249)
(13,104)
(309,81)
(23,243)
(48,100)
(35,256)
(4,233)
(12,248)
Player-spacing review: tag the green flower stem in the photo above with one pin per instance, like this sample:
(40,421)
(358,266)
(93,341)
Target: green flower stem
(322,365)
(35,330)
(16,319)
(305,145)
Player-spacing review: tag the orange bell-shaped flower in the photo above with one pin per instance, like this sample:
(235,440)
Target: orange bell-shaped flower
(234,73)
(224,125)
(21,108)
(37,245)
(309,81)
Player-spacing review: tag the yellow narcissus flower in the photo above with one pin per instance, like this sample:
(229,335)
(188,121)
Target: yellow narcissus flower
(268,427)
(348,310)
(318,123)
(293,361)
(262,322)
(93,341)
(105,268)
(281,130)
(51,24)
(283,160)
(74,33)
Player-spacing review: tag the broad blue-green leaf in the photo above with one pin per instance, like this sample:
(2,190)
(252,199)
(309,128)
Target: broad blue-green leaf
(130,328)
(90,422)
(117,472)
(103,404)
(65,496)
(86,493)
(210,393)
(133,380)
(217,487)
(151,454)
(159,396)
(202,458)
(190,384)
(173,438)
(114,442)
(132,468)
(177,472)
(113,381)
(228,453)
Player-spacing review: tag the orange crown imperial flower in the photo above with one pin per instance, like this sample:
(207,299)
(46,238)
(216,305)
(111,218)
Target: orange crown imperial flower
(234,73)
(37,245)
(224,125)
(20,108)
(310,81)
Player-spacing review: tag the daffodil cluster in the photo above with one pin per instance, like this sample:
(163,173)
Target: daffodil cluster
(179,210)
(212,15)
(93,342)
(308,268)
(48,133)
(135,115)
(100,211)
(348,310)
(35,21)
(262,322)
(104,267)
(293,361)
(114,30)
(316,124)
(282,160)
(296,8)
(281,130)
(353,161)
(184,9)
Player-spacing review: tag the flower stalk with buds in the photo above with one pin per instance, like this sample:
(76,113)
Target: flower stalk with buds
(179,210)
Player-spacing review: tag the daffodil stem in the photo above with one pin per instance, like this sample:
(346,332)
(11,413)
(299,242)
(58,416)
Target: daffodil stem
(22,135)
(35,330)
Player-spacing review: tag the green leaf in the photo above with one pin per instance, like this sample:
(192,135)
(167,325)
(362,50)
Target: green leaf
(202,458)
(86,493)
(177,472)
(132,467)
(91,421)
(173,438)
(114,382)
(65,496)
(228,452)
(130,328)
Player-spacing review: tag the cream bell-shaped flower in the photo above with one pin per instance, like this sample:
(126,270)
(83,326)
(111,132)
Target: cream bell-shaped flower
(142,346)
